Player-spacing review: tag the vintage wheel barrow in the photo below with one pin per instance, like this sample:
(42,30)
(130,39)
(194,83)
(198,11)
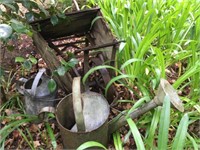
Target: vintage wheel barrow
(83,117)
(83,33)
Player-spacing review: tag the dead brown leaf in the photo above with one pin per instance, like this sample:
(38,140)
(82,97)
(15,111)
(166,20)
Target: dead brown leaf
(33,128)
(9,142)
(36,144)
(8,112)
(16,134)
(4,121)
(18,117)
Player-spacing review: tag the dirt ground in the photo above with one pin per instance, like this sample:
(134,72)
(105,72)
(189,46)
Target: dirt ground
(22,47)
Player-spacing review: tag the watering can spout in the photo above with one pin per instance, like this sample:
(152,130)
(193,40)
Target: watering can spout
(164,89)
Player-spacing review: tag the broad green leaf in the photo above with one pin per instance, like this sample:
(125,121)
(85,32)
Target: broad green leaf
(26,4)
(18,26)
(33,59)
(9,3)
(91,144)
(52,85)
(61,70)
(29,4)
(136,134)
(20,59)
(61,15)
(164,124)
(43,11)
(27,65)
(51,115)
(63,62)
(179,140)
(72,62)
(29,16)
(54,20)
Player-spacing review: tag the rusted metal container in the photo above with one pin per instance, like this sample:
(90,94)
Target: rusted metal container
(95,122)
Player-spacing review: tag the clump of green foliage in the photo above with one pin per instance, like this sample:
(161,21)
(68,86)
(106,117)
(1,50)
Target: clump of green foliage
(162,41)
(15,16)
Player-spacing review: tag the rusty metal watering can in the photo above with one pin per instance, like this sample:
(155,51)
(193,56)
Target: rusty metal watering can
(84,117)
(36,92)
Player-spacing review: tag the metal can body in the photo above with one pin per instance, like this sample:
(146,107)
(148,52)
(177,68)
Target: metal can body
(36,93)
(66,120)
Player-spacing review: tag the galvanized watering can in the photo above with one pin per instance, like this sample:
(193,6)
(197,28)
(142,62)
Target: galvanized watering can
(84,117)
(36,93)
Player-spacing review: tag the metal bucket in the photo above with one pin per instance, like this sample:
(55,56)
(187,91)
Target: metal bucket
(95,124)
(37,94)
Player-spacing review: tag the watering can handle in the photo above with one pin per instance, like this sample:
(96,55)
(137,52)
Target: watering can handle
(19,83)
(47,109)
(77,104)
(36,81)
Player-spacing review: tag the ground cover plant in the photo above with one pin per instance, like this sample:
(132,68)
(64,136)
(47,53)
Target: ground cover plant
(18,129)
(162,40)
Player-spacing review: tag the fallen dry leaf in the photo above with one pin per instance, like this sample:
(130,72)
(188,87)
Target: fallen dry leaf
(18,117)
(33,128)
(36,144)
(8,112)
(16,134)
(9,142)
(40,125)
(4,121)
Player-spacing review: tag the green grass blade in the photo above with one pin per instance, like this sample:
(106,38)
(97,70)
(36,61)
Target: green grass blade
(130,61)
(138,103)
(136,134)
(91,144)
(123,76)
(26,139)
(117,141)
(164,124)
(181,133)
(195,145)
(160,60)
(51,135)
(97,68)
(190,72)
(2,145)
(31,137)
(152,129)
(94,20)
(5,131)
